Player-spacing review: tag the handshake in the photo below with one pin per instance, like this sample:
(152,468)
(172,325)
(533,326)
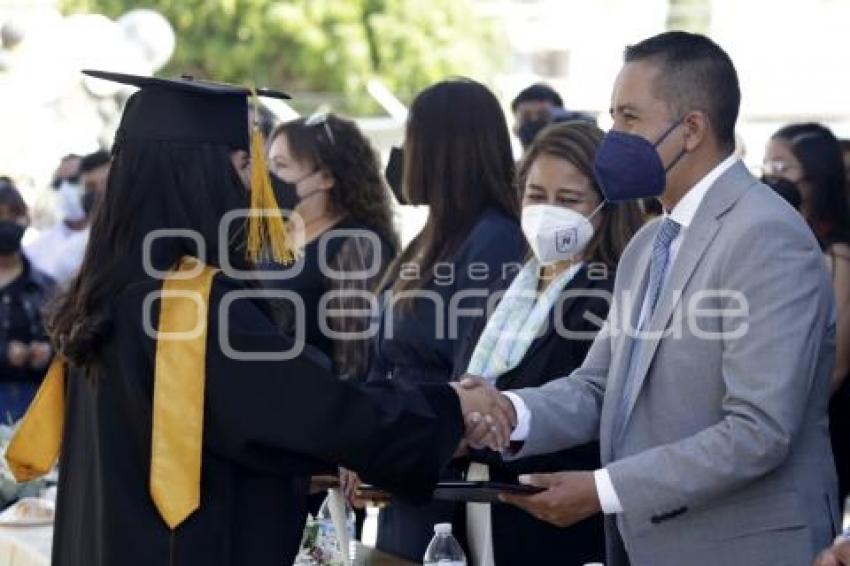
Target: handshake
(489,415)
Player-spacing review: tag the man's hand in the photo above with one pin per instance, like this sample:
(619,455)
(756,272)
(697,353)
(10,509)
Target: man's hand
(18,354)
(489,416)
(40,353)
(569,497)
(837,555)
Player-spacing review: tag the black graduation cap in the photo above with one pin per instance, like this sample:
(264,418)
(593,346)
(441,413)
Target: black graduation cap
(191,110)
(186,109)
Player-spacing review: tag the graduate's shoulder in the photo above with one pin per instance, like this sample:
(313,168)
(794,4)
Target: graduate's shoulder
(243,297)
(228,292)
(225,289)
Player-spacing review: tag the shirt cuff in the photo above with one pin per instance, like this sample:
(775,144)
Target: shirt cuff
(608,499)
(523,417)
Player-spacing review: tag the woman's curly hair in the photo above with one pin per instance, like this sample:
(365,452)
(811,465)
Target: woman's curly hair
(359,189)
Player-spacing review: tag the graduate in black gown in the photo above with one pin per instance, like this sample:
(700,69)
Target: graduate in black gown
(183,451)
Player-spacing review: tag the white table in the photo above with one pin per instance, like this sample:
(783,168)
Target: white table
(26,546)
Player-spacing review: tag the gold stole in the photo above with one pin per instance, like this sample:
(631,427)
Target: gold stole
(34,448)
(178,401)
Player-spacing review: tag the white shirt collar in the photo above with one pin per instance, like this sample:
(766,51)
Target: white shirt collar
(685,210)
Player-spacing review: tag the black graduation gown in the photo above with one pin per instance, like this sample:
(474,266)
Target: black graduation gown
(519,538)
(265,424)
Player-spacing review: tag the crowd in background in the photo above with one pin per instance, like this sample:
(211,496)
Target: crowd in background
(484,211)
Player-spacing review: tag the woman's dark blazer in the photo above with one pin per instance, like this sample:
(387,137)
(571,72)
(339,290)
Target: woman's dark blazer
(518,537)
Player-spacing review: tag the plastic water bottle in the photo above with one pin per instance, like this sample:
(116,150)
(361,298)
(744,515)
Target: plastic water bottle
(329,537)
(444,549)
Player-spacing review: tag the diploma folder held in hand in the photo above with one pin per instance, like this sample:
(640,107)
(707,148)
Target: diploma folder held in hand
(466,491)
(480,491)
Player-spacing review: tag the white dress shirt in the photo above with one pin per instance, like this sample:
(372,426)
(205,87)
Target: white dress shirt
(59,251)
(683,213)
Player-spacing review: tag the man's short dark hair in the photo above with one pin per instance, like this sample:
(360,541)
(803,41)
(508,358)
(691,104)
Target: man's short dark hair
(539,92)
(696,74)
(94,160)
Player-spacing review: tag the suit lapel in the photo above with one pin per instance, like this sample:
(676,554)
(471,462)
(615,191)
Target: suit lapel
(625,320)
(722,195)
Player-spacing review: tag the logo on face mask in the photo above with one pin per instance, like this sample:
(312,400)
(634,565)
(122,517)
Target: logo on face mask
(565,240)
(628,167)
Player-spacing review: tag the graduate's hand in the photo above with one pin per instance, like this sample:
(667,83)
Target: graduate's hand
(480,432)
(17,353)
(462,450)
(40,353)
(489,417)
(349,482)
(837,555)
(569,497)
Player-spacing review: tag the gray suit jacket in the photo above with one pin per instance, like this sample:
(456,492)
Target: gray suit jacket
(725,455)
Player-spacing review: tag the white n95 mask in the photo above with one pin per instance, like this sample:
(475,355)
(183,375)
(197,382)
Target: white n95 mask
(70,203)
(556,233)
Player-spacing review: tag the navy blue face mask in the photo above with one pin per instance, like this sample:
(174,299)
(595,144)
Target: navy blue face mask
(628,167)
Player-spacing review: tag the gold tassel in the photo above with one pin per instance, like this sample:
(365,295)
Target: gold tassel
(266,224)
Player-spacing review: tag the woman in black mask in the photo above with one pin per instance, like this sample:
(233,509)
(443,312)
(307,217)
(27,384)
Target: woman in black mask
(24,348)
(326,172)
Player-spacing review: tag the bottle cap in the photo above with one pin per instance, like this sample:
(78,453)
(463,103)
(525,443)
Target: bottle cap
(443,528)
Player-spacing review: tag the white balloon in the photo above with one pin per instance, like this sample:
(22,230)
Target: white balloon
(93,41)
(151,33)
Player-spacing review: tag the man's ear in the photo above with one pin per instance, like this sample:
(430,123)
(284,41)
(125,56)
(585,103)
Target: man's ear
(697,129)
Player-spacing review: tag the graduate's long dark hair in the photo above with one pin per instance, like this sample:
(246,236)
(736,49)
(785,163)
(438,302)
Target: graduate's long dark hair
(152,186)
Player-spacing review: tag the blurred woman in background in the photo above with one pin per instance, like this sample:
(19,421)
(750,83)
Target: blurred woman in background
(458,161)
(24,347)
(327,173)
(809,156)
(542,329)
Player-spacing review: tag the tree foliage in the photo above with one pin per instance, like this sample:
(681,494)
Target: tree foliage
(326,46)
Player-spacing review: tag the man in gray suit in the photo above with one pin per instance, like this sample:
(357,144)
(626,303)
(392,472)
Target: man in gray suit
(708,385)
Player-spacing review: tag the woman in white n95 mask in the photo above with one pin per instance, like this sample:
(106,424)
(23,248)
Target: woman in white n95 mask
(541,330)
